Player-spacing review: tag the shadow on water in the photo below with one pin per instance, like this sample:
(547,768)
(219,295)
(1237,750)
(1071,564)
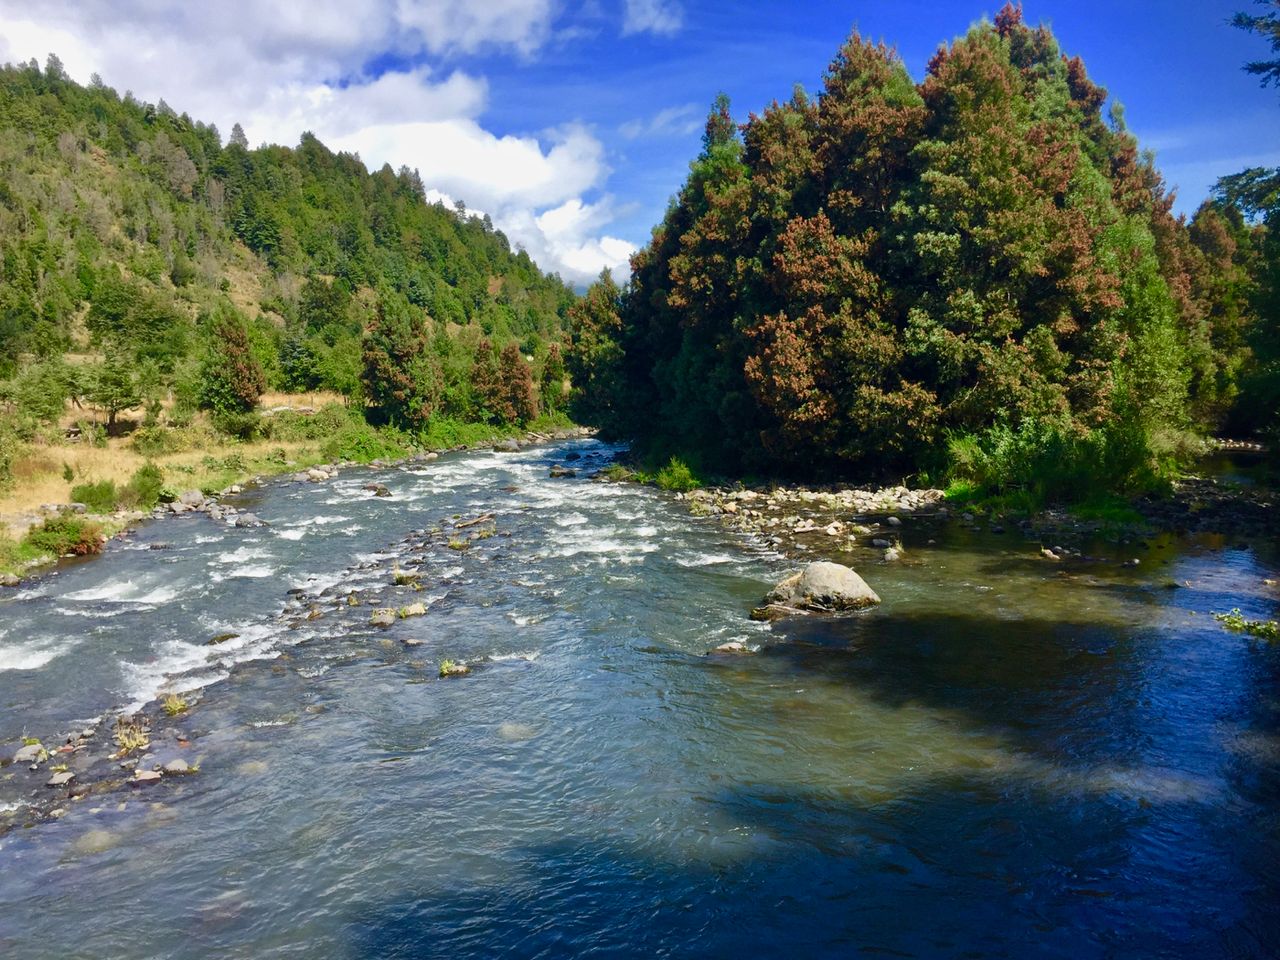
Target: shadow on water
(812,876)
(1084,822)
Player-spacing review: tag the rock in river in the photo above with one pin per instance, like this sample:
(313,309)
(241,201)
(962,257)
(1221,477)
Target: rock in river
(383,617)
(823,586)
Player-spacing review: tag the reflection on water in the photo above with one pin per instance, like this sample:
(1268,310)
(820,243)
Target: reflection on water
(1009,758)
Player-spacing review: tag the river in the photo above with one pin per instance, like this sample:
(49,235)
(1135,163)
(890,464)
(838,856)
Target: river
(1008,758)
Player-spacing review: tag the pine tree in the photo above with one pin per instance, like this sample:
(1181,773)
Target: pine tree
(519,404)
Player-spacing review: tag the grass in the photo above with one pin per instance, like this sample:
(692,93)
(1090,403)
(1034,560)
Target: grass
(130,736)
(131,472)
(174,704)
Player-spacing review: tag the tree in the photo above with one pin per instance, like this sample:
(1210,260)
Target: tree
(485,385)
(519,403)
(552,385)
(112,386)
(1266,26)
(231,379)
(238,138)
(401,378)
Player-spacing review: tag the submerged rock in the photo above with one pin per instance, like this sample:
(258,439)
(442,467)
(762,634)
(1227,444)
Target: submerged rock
(145,777)
(733,646)
(558,471)
(823,586)
(61,779)
(506,446)
(177,767)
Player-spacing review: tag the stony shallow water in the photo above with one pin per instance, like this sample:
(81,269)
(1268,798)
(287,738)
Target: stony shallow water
(1007,759)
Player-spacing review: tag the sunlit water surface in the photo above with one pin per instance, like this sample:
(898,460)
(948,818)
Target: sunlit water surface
(1006,759)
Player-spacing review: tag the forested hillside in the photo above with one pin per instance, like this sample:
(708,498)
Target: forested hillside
(978,273)
(175,271)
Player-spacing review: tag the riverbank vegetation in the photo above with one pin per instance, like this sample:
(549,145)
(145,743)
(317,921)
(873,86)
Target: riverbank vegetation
(975,278)
(156,283)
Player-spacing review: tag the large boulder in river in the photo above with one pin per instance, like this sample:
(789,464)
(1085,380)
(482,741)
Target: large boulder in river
(824,586)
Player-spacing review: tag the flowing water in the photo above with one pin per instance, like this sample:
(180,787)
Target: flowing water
(1008,758)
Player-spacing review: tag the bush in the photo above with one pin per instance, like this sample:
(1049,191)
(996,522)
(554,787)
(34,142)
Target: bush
(241,426)
(155,441)
(144,489)
(361,443)
(676,475)
(66,534)
(8,453)
(1040,463)
(99,497)
(92,433)
(290,425)
(442,433)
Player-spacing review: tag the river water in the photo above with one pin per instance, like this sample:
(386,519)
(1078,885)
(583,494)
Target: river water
(1006,759)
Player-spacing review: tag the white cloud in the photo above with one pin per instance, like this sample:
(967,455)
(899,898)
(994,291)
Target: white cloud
(281,70)
(673,121)
(652,16)
(468,25)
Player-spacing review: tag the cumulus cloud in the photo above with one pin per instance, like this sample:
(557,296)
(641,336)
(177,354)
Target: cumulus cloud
(280,70)
(652,16)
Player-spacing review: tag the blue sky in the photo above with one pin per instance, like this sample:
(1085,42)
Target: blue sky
(572,121)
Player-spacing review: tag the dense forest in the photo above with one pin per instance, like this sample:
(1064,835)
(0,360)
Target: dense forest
(977,275)
(147,266)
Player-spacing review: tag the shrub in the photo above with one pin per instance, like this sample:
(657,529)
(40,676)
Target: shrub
(92,433)
(1043,462)
(144,489)
(65,534)
(676,475)
(98,497)
(361,443)
(241,426)
(8,453)
(155,441)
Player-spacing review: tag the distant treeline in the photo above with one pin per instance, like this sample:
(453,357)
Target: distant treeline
(160,258)
(979,273)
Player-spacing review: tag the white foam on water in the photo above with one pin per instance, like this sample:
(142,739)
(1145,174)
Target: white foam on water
(205,538)
(191,665)
(33,654)
(704,559)
(253,572)
(291,534)
(529,655)
(525,619)
(645,531)
(124,591)
(320,521)
(570,520)
(247,552)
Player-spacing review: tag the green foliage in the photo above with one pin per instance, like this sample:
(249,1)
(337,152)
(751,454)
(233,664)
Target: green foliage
(231,379)
(1053,462)
(9,445)
(244,426)
(65,534)
(362,443)
(977,267)
(98,497)
(134,220)
(112,386)
(676,475)
(1236,622)
(144,489)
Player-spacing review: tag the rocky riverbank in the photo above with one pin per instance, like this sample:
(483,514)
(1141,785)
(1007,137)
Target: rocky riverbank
(213,503)
(157,749)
